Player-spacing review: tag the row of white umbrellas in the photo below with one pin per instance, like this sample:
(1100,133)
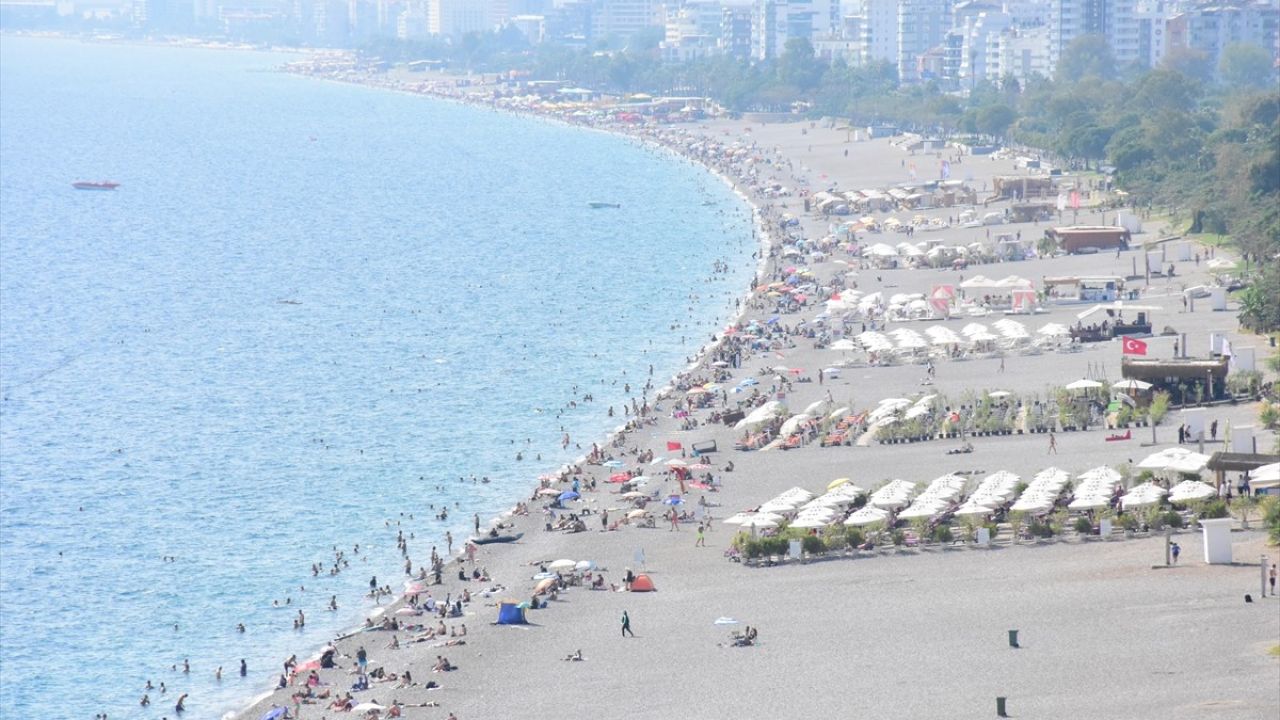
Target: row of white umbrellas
(1042,492)
(1095,488)
(936,498)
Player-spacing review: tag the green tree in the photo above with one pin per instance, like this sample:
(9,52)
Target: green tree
(995,120)
(1189,62)
(1088,56)
(1242,65)
(798,67)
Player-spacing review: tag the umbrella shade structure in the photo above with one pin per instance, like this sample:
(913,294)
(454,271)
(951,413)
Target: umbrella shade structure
(1089,502)
(274,713)
(673,500)
(837,483)
(723,620)
(613,464)
(743,518)
(844,345)
(1144,495)
(999,394)
(1267,476)
(1054,330)
(1131,385)
(1084,384)
(633,495)
(866,516)
(970,508)
(636,514)
(1191,491)
(562,565)
(547,492)
(793,424)
(568,495)
(1191,463)
(1174,458)
(810,522)
(758,522)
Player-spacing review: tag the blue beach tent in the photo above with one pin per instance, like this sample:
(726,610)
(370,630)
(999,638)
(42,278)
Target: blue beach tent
(511,613)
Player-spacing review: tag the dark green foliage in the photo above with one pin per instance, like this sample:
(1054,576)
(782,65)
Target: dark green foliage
(1215,509)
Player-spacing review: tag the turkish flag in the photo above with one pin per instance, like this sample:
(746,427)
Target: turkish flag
(673,446)
(1133,347)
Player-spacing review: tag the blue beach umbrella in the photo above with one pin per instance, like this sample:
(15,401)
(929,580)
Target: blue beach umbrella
(613,464)
(274,713)
(673,500)
(569,495)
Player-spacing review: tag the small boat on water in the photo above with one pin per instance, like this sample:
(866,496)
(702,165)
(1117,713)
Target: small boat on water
(95,185)
(599,205)
(489,539)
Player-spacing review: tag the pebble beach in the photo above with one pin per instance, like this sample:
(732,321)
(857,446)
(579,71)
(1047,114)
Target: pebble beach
(1106,628)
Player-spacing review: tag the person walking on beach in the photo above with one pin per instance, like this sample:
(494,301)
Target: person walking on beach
(1053,444)
(702,537)
(1175,550)
(626,625)
(362,659)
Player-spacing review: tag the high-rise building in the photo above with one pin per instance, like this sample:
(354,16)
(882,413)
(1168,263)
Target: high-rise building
(774,22)
(455,18)
(1116,20)
(922,24)
(879,31)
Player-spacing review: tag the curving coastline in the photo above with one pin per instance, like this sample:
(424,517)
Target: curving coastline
(501,668)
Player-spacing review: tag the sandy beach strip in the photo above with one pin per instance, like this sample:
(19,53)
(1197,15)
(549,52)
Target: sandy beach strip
(916,632)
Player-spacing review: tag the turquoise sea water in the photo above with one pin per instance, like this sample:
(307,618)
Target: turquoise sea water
(307,307)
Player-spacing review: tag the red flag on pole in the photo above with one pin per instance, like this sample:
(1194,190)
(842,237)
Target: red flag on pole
(673,446)
(1131,346)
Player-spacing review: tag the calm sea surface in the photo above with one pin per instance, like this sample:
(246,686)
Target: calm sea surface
(307,307)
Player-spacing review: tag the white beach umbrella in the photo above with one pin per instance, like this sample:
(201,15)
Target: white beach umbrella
(562,564)
(810,522)
(815,408)
(793,423)
(758,522)
(1190,491)
(1054,330)
(1089,502)
(1131,385)
(844,345)
(1083,384)
(1032,503)
(1142,496)
(1267,476)
(1191,463)
(970,508)
(866,516)
(1163,459)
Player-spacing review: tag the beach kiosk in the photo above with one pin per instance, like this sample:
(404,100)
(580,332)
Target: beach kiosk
(1217,540)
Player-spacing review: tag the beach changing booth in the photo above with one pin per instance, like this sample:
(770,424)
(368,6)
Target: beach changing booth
(642,583)
(511,613)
